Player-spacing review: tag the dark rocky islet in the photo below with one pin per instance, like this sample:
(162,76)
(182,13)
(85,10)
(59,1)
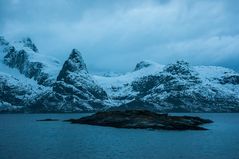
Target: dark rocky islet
(48,119)
(142,119)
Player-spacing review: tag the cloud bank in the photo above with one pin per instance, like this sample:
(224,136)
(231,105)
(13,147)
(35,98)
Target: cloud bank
(115,35)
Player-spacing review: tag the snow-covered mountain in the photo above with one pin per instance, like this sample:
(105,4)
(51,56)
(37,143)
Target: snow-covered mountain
(24,56)
(33,82)
(73,91)
(175,87)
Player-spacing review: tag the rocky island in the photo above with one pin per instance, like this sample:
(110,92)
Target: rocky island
(48,119)
(142,119)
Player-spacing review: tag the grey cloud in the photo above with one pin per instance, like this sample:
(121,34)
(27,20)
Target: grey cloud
(115,35)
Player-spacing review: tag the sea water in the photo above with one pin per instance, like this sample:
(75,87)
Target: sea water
(22,137)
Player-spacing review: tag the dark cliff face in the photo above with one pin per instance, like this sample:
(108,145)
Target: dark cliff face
(27,42)
(74,64)
(10,93)
(233,79)
(22,60)
(16,59)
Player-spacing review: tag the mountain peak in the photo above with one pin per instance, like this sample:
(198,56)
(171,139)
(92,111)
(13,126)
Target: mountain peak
(143,64)
(3,41)
(180,68)
(74,63)
(27,42)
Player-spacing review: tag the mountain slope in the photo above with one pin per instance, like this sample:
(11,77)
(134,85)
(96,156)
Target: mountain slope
(74,89)
(16,90)
(24,56)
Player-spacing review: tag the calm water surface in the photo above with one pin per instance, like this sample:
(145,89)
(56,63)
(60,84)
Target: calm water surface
(21,137)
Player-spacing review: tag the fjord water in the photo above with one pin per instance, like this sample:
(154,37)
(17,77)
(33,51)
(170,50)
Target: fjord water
(22,137)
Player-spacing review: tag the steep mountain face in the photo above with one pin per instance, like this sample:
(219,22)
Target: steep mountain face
(32,82)
(74,89)
(74,74)
(23,74)
(27,42)
(23,55)
(16,94)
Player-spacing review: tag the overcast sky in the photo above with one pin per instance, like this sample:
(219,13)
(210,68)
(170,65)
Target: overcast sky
(114,35)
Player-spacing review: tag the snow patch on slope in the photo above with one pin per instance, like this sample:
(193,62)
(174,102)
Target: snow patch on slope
(52,65)
(212,72)
(120,82)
